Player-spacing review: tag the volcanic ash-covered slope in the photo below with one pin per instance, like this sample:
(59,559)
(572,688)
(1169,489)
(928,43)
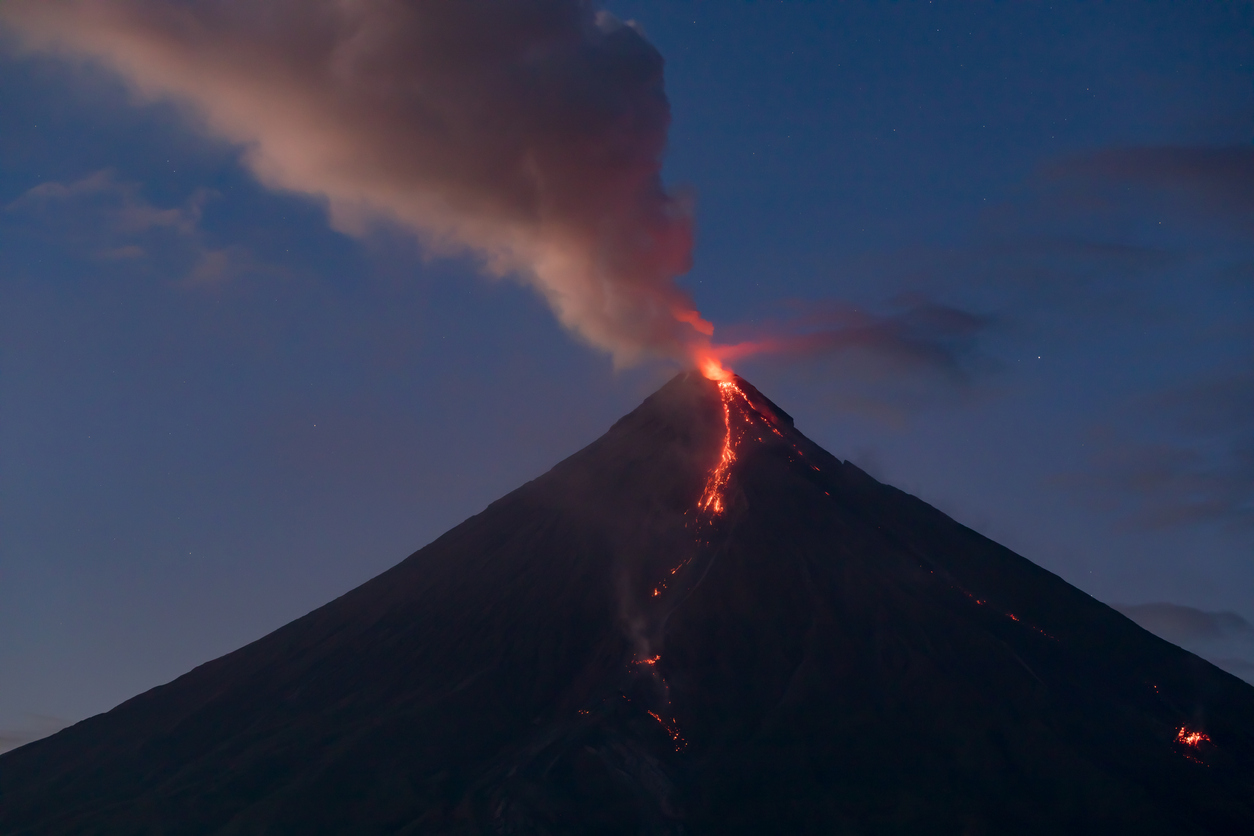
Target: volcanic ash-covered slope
(701,623)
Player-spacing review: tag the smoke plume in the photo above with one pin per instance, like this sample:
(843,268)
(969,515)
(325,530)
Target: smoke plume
(528,132)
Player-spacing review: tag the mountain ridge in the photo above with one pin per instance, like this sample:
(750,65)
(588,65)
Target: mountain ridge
(597,652)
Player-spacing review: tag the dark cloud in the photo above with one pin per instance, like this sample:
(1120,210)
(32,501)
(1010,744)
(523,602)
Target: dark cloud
(886,362)
(1185,625)
(1190,458)
(915,336)
(1032,264)
(529,133)
(1164,485)
(1112,233)
(1222,178)
(1201,469)
(1208,471)
(1220,405)
(1223,638)
(1164,256)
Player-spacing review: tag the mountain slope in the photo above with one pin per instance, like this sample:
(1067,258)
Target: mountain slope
(701,623)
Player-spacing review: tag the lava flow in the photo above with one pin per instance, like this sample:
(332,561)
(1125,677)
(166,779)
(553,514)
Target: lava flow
(711,503)
(1191,738)
(712,499)
(673,731)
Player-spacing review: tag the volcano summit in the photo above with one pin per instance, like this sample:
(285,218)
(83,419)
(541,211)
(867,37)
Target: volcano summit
(702,623)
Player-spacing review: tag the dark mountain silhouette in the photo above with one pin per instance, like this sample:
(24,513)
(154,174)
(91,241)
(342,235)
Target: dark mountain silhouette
(605,651)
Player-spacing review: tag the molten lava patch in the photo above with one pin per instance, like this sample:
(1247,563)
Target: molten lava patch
(1186,737)
(1193,744)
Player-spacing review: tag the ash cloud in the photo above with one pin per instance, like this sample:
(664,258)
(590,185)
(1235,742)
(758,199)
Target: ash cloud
(528,133)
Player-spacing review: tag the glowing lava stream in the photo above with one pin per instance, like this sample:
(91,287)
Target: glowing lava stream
(712,504)
(712,500)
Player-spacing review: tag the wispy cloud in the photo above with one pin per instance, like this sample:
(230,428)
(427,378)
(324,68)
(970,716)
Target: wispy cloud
(887,362)
(119,203)
(1212,406)
(914,335)
(1164,485)
(1217,182)
(1187,458)
(1223,638)
(109,219)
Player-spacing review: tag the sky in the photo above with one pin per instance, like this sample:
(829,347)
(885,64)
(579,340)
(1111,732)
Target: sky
(1010,249)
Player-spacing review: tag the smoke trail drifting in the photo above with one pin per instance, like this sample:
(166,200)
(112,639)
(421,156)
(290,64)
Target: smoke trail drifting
(529,132)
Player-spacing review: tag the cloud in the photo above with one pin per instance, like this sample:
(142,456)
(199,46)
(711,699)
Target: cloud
(916,336)
(120,202)
(1162,485)
(529,133)
(122,253)
(1112,233)
(110,219)
(1171,249)
(1192,461)
(1219,180)
(1219,405)
(886,362)
(1223,638)
(1185,625)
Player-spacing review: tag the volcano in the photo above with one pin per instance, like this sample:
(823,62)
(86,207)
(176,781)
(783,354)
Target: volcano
(701,623)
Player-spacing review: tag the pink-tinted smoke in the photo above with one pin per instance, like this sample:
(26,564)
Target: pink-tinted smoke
(919,335)
(529,132)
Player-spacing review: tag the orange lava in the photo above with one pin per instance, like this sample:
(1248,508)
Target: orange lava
(676,737)
(1009,615)
(712,499)
(713,369)
(1191,738)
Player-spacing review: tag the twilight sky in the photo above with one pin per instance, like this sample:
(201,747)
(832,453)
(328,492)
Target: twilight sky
(1009,248)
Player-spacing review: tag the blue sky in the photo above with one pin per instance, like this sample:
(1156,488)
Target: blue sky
(218,412)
